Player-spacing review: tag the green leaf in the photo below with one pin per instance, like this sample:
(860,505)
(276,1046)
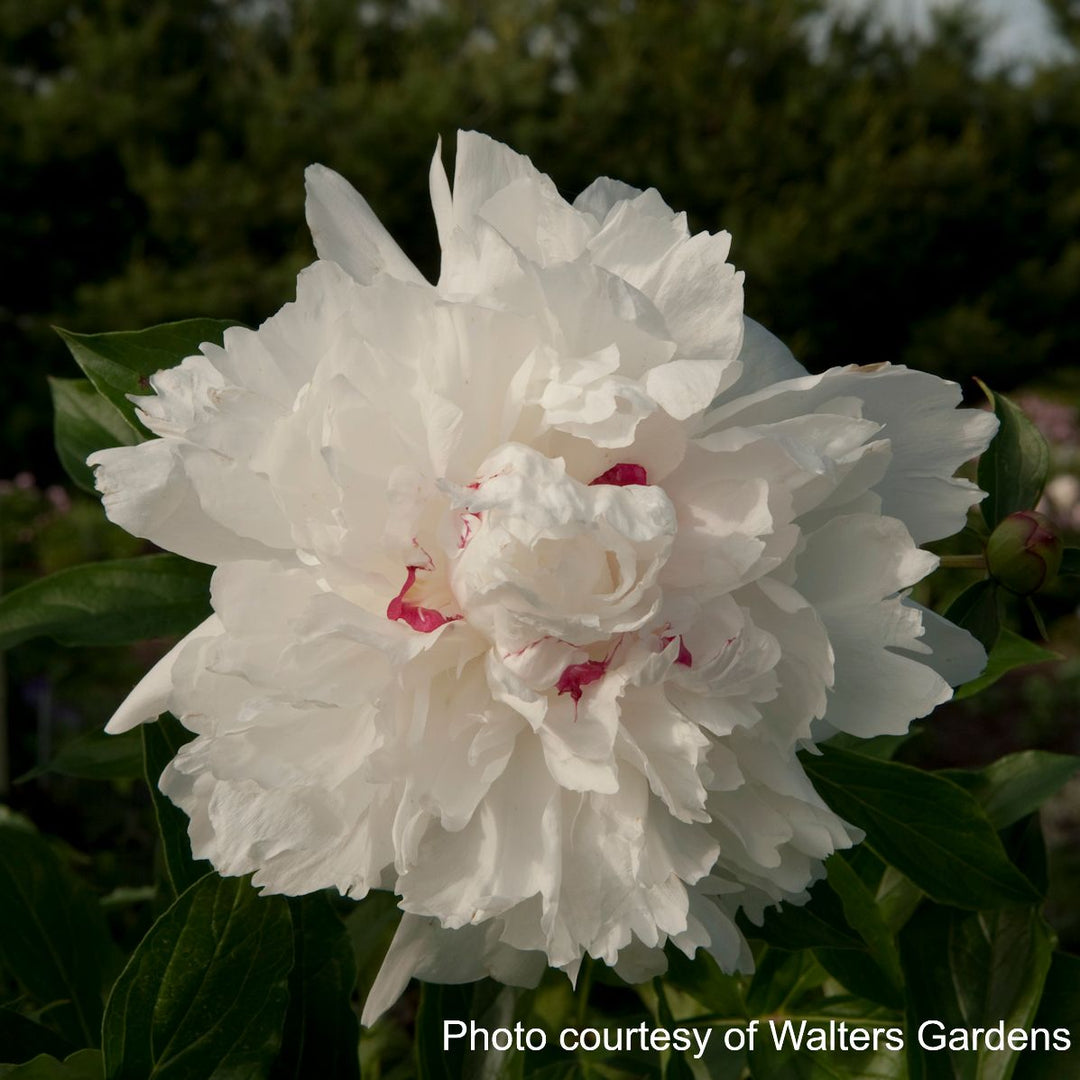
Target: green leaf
(1025,845)
(485,1003)
(109,603)
(120,363)
(160,742)
(54,941)
(929,828)
(676,1067)
(321,1032)
(1017,784)
(437,1004)
(702,979)
(780,978)
(968,970)
(1014,467)
(82,1065)
(205,992)
(819,923)
(22,1038)
(880,746)
(95,756)
(568,1069)
(859,974)
(1059,1013)
(83,421)
(1070,562)
(976,609)
(1009,651)
(897,897)
(864,916)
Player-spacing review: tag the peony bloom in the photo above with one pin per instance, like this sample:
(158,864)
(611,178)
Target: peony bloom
(531,583)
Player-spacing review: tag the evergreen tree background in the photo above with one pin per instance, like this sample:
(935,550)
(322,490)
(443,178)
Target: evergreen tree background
(889,199)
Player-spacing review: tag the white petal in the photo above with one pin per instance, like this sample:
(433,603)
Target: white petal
(917,412)
(603,194)
(422,948)
(700,295)
(347,232)
(150,698)
(156,490)
(852,570)
(953,653)
(765,360)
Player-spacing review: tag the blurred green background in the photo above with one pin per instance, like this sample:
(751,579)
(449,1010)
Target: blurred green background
(891,198)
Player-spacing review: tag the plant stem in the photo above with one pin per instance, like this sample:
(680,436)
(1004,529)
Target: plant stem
(963,562)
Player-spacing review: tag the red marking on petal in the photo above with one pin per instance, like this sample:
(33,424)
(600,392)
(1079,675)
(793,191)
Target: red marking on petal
(684,656)
(623,474)
(427,564)
(419,618)
(467,521)
(576,676)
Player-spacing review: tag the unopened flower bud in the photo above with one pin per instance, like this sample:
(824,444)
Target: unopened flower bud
(1024,552)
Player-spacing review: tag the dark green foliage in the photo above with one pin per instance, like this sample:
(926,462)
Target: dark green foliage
(1016,785)
(23,1038)
(927,827)
(969,970)
(321,1031)
(54,941)
(978,610)
(205,992)
(160,742)
(95,755)
(888,201)
(1059,1007)
(119,363)
(1014,468)
(1008,652)
(109,603)
(84,421)
(82,1065)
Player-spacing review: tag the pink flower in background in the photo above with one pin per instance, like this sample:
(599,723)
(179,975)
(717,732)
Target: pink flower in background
(531,583)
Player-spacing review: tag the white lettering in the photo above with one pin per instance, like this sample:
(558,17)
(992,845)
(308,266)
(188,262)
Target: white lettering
(448,1035)
(786,1031)
(701,1037)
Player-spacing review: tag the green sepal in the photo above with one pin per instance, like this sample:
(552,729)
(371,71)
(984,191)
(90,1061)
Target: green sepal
(1014,467)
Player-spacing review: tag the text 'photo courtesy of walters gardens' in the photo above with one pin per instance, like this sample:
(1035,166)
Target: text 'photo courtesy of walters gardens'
(835,1035)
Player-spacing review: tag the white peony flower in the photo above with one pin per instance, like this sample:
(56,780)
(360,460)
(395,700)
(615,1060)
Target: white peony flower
(530,584)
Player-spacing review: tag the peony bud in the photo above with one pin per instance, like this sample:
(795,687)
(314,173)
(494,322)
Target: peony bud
(1024,552)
